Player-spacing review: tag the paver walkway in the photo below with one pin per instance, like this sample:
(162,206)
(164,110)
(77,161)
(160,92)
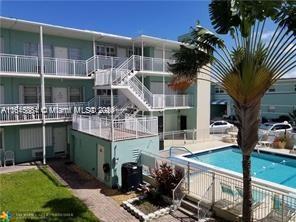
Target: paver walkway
(89,190)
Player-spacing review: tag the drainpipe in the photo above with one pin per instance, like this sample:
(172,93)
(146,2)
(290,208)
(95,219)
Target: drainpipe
(43,108)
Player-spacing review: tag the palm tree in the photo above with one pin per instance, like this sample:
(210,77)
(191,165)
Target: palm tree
(245,71)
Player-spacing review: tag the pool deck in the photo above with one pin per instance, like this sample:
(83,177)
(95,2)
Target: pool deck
(195,146)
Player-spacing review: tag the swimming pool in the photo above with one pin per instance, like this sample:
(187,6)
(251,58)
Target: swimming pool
(276,168)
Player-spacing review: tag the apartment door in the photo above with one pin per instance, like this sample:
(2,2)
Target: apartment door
(183,122)
(101,161)
(62,66)
(59,94)
(60,139)
(121,52)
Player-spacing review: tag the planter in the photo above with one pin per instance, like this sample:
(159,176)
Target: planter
(128,205)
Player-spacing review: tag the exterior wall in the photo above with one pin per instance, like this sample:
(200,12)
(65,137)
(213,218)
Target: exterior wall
(11,86)
(128,151)
(12,142)
(14,42)
(84,152)
(282,100)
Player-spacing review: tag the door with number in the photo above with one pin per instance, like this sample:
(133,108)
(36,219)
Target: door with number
(101,161)
(60,139)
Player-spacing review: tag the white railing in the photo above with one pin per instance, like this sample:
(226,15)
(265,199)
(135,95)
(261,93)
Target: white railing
(32,112)
(122,128)
(18,63)
(64,67)
(156,64)
(223,191)
(171,101)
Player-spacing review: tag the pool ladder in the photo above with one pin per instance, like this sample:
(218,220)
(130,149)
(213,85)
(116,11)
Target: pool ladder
(179,148)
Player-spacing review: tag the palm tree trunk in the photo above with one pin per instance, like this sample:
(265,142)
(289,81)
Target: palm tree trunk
(247,138)
(247,185)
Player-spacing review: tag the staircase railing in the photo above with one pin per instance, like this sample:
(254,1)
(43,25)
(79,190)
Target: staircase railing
(179,191)
(201,200)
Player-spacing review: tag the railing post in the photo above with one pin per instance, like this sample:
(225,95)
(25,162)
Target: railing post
(74,67)
(95,61)
(15,63)
(213,189)
(80,122)
(89,124)
(58,111)
(136,127)
(188,177)
(86,68)
(283,211)
(174,100)
(112,63)
(56,66)
(152,65)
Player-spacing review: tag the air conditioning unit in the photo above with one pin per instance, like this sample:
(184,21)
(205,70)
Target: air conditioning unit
(37,154)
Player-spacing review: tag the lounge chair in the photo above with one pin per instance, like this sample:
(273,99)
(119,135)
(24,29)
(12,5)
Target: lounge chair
(228,197)
(266,140)
(9,157)
(283,209)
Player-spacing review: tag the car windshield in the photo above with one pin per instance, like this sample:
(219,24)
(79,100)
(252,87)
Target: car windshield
(265,126)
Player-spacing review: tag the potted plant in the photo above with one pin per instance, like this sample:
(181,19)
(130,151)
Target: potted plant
(280,141)
(290,141)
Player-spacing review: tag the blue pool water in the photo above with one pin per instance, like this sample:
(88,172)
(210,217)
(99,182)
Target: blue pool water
(280,169)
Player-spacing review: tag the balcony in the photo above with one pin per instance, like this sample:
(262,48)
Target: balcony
(22,64)
(128,128)
(14,114)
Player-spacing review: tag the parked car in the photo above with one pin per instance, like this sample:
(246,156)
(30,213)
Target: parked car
(274,128)
(220,126)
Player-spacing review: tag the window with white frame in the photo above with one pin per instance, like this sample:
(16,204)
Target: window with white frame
(105,50)
(76,94)
(1,138)
(137,51)
(74,53)
(31,137)
(218,89)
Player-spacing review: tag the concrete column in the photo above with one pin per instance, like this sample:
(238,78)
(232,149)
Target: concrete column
(203,107)
(42,94)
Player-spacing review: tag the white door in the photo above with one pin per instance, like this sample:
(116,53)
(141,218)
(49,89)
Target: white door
(62,66)
(101,161)
(59,94)
(59,139)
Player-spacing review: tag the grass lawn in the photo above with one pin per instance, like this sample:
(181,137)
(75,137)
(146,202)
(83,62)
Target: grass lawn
(38,193)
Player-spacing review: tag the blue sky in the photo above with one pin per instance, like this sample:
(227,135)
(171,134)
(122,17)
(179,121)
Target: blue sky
(162,18)
(158,18)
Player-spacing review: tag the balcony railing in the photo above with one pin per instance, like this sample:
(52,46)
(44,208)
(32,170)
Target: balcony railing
(14,113)
(129,128)
(10,63)
(172,101)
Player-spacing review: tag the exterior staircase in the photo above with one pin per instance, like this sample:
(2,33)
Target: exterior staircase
(192,208)
(124,78)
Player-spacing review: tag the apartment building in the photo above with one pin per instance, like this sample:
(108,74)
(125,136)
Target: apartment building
(279,100)
(57,87)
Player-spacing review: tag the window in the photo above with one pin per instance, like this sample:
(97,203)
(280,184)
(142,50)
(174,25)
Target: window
(1,94)
(106,92)
(218,90)
(295,87)
(1,45)
(271,89)
(1,139)
(105,50)
(137,51)
(75,94)
(33,49)
(32,137)
(74,53)
(32,94)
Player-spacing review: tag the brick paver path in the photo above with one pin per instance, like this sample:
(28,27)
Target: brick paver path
(104,207)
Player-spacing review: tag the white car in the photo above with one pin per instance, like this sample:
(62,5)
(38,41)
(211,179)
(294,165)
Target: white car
(220,126)
(274,128)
